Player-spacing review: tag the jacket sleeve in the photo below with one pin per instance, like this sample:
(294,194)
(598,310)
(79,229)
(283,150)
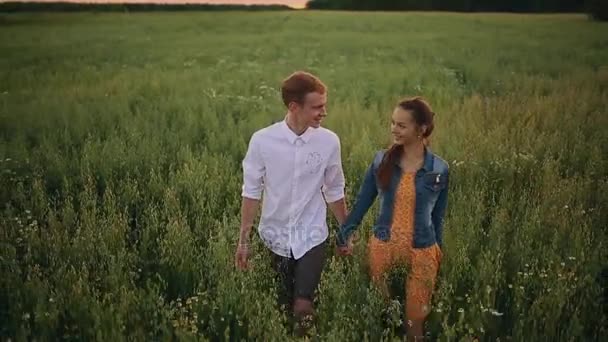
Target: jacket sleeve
(364,200)
(438,213)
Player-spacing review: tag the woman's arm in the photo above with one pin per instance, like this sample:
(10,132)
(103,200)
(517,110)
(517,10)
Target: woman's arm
(365,199)
(438,213)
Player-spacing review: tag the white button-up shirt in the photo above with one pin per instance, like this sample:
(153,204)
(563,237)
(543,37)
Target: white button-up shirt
(293,173)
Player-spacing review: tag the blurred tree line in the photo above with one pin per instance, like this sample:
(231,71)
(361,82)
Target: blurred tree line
(453,5)
(598,9)
(9,7)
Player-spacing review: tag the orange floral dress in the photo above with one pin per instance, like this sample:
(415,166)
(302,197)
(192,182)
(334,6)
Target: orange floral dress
(422,263)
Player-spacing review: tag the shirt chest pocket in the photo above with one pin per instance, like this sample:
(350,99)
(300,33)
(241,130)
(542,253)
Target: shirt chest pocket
(313,163)
(434,182)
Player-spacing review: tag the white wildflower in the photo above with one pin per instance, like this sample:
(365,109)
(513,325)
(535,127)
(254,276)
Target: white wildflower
(496,313)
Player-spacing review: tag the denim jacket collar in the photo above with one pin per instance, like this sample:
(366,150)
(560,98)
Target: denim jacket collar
(428,160)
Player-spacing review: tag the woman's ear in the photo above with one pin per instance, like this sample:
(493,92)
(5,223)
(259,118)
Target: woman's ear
(423,129)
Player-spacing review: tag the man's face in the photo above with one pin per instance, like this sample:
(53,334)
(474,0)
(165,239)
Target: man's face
(313,109)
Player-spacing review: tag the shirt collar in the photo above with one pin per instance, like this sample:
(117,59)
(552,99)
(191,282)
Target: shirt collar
(292,137)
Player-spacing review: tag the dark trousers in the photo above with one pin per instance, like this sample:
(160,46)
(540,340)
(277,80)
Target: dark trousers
(299,278)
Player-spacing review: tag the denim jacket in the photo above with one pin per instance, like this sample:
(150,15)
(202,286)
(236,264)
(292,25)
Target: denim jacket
(431,201)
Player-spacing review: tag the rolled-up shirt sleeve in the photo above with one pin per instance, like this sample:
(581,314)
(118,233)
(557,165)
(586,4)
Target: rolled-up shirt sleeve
(333,187)
(253,170)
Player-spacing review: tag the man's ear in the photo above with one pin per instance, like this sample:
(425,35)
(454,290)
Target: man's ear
(293,106)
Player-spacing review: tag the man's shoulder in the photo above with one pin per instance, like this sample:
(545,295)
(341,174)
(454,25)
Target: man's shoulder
(269,130)
(328,134)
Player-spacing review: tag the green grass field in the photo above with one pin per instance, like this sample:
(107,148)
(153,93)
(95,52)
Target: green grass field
(120,177)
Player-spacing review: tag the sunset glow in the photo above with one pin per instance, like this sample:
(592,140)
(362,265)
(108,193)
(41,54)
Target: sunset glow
(291,3)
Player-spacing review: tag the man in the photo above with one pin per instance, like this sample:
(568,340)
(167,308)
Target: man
(297,166)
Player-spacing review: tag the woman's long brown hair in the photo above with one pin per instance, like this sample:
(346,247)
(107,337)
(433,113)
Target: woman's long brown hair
(423,115)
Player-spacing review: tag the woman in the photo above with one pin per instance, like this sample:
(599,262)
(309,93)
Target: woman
(412,184)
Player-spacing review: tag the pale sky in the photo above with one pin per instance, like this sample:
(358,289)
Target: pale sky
(292,3)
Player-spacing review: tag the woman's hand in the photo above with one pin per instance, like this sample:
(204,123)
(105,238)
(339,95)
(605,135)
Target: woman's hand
(347,249)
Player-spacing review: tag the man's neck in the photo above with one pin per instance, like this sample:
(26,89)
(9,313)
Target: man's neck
(293,125)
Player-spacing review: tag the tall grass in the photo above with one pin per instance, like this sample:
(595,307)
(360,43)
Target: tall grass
(123,134)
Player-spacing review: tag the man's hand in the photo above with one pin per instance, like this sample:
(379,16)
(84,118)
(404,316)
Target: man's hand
(241,256)
(249,207)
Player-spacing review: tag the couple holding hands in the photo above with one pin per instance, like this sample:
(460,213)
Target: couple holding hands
(296,165)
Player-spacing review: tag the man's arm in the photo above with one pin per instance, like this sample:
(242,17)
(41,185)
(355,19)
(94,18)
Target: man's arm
(249,209)
(333,186)
(253,184)
(338,209)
